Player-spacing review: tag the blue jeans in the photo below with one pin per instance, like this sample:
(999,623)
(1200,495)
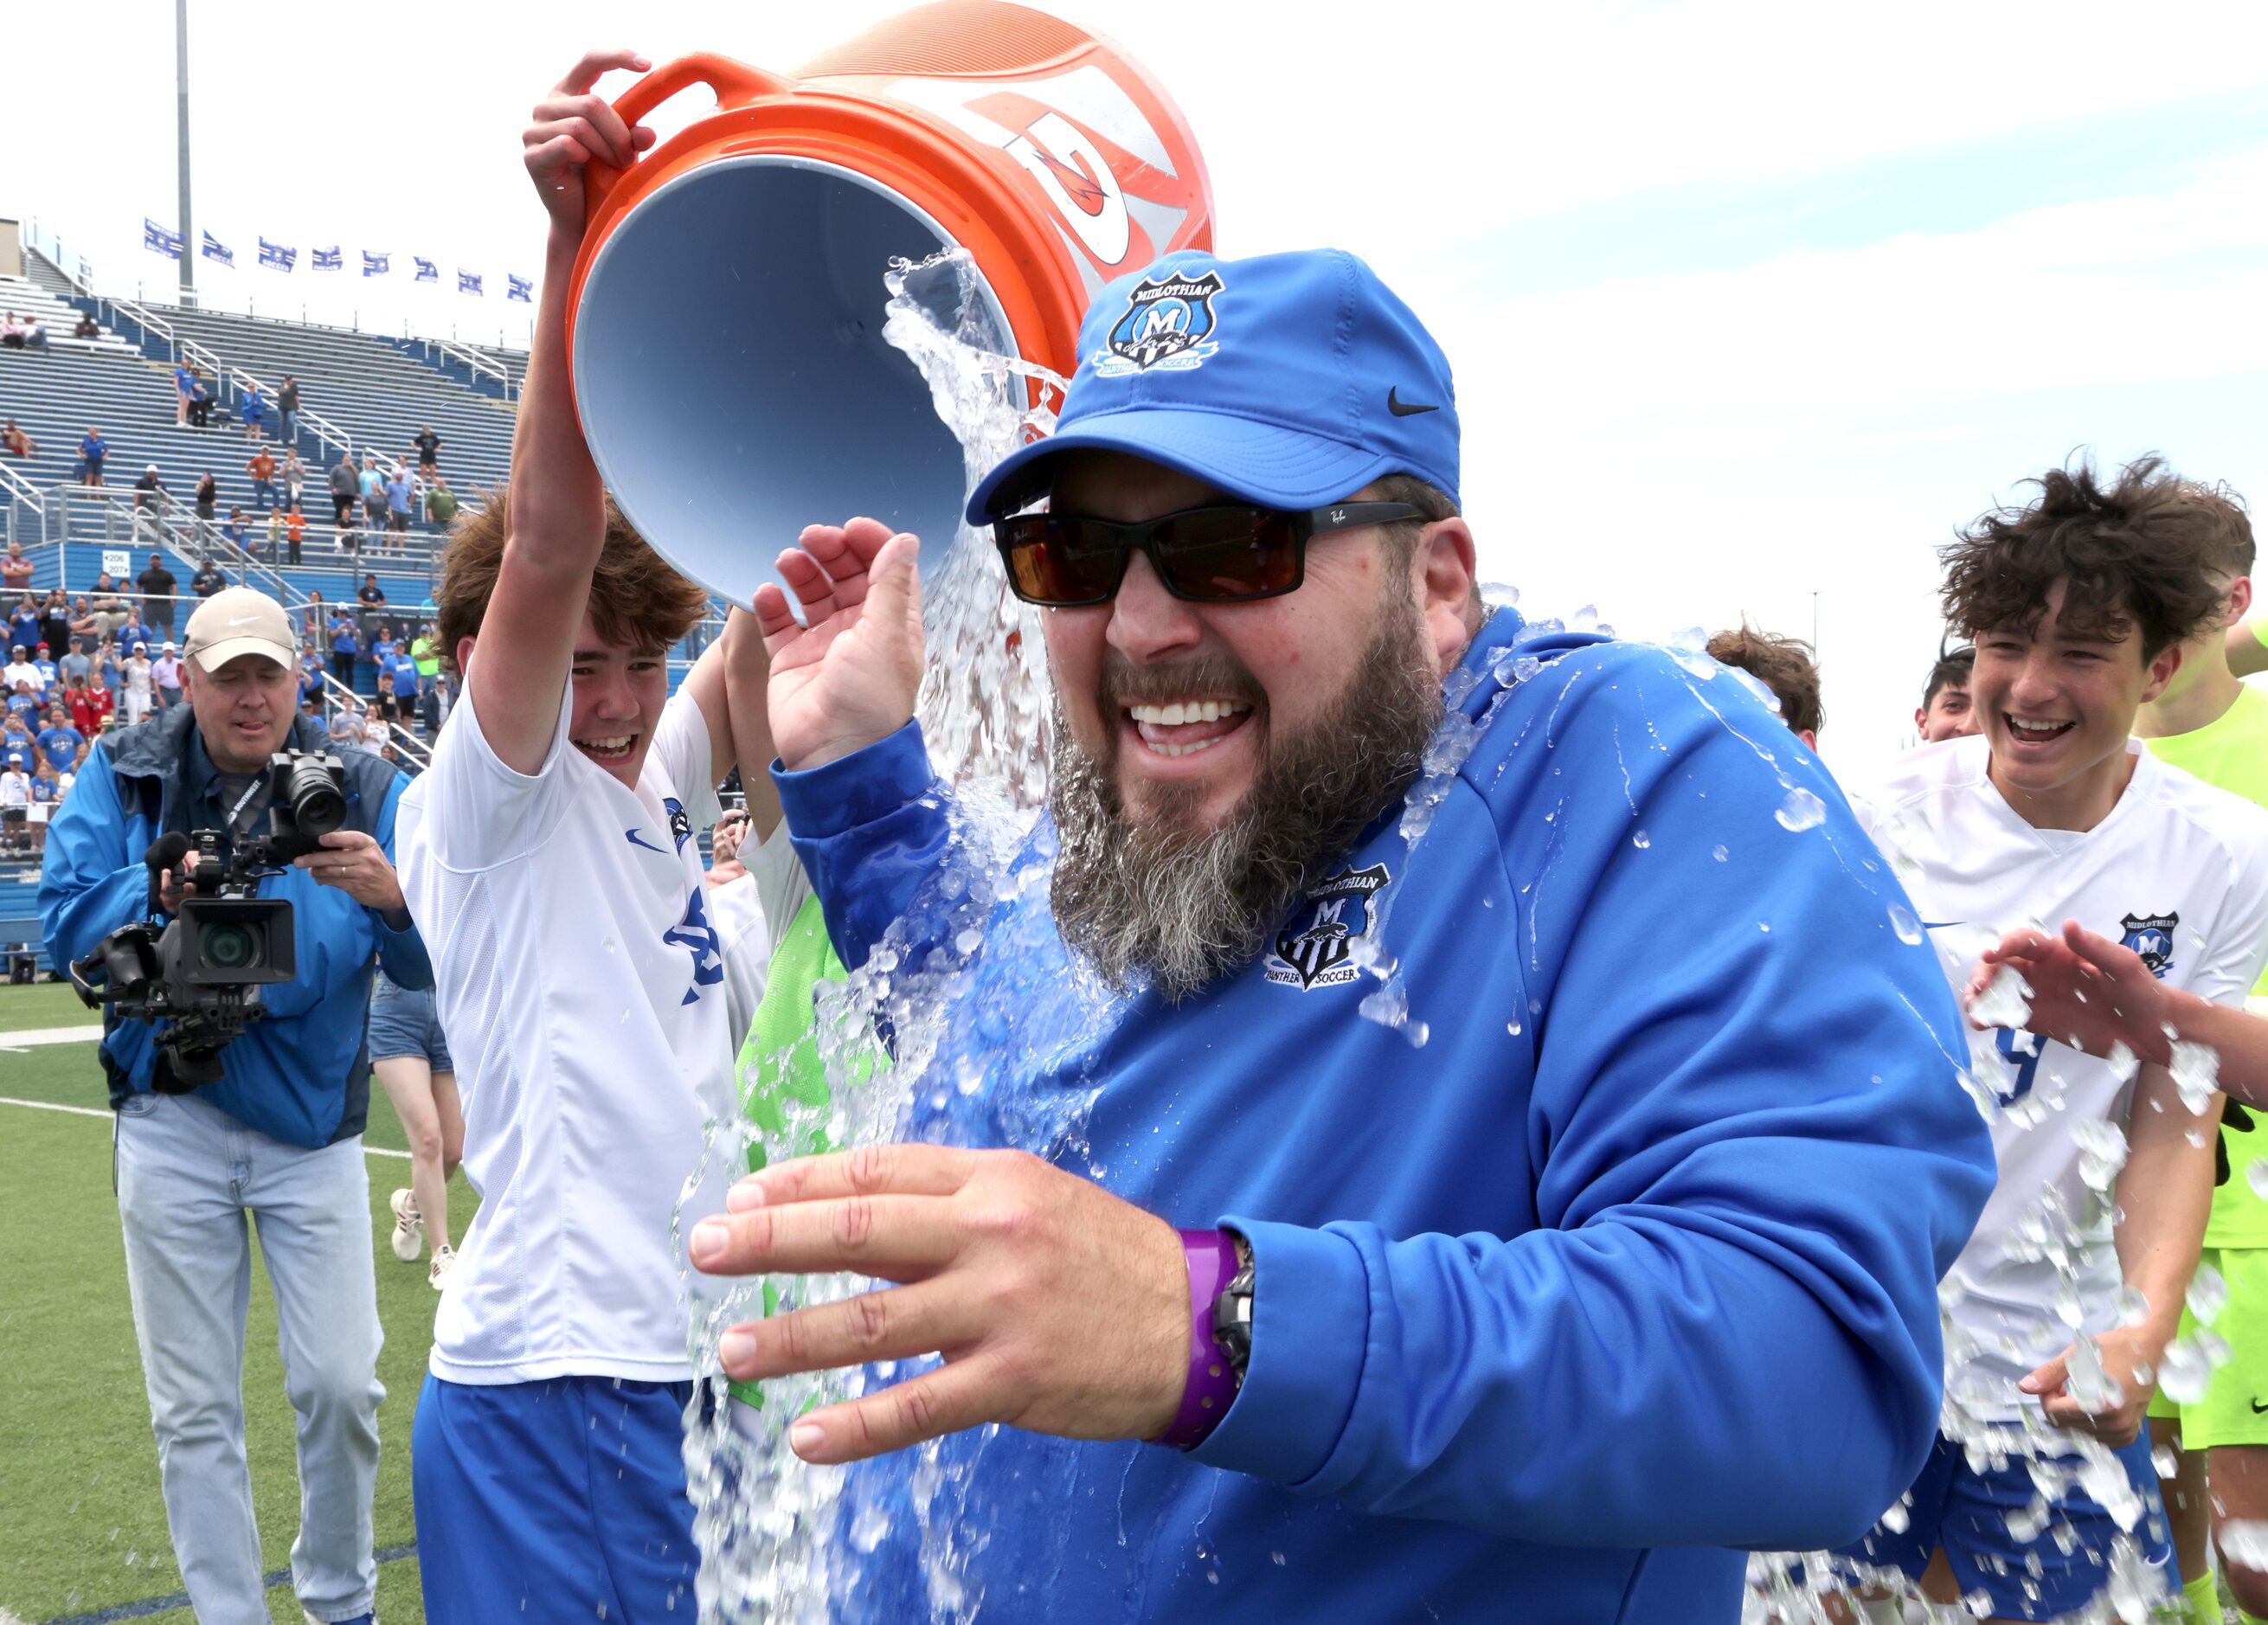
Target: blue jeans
(187,1174)
(263,496)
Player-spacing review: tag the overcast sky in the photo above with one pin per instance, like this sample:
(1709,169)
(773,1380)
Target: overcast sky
(1747,301)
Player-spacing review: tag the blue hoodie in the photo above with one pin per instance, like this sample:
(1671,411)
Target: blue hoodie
(1631,1264)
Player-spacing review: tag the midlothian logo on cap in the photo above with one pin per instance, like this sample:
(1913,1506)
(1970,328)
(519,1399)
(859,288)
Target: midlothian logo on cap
(1169,323)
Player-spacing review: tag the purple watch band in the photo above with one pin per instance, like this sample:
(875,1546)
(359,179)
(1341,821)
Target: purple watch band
(1212,1386)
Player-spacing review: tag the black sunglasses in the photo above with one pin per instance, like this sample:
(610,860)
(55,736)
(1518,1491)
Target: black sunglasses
(1206,555)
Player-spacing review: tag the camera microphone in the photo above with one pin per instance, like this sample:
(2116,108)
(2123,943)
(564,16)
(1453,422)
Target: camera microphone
(165,852)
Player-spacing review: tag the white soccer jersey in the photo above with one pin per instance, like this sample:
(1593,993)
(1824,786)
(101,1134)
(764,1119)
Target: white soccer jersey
(579,983)
(2179,872)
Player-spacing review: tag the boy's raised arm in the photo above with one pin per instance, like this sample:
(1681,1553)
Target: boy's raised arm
(526,642)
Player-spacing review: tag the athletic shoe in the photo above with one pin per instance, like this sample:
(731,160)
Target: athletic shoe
(445,1259)
(409,1234)
(359,1618)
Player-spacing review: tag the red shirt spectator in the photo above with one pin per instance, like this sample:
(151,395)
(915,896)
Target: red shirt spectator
(90,707)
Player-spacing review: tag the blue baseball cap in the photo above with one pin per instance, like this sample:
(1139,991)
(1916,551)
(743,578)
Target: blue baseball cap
(1290,380)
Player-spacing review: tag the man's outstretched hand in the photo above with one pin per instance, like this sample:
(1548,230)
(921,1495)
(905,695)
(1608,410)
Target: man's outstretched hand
(2088,991)
(1058,1307)
(847,676)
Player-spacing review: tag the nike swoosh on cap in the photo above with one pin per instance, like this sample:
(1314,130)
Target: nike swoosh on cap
(1400,408)
(648,845)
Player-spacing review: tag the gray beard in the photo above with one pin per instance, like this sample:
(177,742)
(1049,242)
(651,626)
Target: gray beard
(1183,907)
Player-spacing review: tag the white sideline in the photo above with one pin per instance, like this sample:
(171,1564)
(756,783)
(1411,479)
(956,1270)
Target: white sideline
(89,1110)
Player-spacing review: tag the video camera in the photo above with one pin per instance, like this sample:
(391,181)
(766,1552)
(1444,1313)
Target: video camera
(196,973)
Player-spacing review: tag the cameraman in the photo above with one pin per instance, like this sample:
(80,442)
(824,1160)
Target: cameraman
(278,1135)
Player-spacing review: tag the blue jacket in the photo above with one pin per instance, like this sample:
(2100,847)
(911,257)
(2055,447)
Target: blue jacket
(1632,1262)
(301,1074)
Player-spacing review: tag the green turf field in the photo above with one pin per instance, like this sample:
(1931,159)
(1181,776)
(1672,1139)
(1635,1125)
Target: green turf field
(82,1527)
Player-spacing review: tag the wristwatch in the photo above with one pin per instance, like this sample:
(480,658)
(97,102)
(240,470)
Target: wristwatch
(1232,1311)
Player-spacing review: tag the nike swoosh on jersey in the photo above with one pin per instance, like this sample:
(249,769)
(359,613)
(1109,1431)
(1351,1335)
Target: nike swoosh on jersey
(2257,1407)
(648,845)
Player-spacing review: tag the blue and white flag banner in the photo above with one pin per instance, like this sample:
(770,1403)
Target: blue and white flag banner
(217,252)
(467,283)
(375,264)
(427,271)
(276,257)
(520,288)
(325,260)
(157,240)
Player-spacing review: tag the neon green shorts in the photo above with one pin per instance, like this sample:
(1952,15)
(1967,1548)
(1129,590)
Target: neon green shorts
(2235,1409)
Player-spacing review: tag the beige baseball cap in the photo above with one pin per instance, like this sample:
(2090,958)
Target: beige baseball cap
(239,620)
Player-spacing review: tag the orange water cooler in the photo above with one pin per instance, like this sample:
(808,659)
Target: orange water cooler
(725,314)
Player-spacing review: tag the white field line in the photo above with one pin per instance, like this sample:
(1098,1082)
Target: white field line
(88,1111)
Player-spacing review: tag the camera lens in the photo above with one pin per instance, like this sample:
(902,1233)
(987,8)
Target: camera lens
(317,807)
(230,947)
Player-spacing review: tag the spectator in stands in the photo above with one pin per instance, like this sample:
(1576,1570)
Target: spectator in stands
(185,392)
(110,669)
(24,705)
(433,708)
(427,653)
(255,413)
(135,631)
(429,448)
(24,625)
(89,707)
(43,663)
(236,533)
(35,334)
(440,502)
(200,401)
(166,676)
(59,741)
(92,452)
(208,580)
(140,694)
(295,527)
(294,475)
(207,501)
(401,503)
(87,328)
(343,648)
(318,613)
(16,734)
(55,622)
(85,628)
(15,570)
(311,670)
(15,798)
(44,796)
(158,584)
(371,597)
(11,332)
(150,492)
(20,672)
(275,534)
(287,410)
(76,663)
(347,729)
(346,484)
(16,443)
(382,706)
(262,468)
(373,495)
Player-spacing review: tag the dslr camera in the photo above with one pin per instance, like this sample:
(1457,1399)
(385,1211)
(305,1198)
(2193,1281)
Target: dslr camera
(196,974)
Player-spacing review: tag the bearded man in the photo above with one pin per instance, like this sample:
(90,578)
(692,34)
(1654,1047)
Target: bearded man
(1515,1020)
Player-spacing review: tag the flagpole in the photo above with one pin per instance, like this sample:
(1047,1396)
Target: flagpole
(182,79)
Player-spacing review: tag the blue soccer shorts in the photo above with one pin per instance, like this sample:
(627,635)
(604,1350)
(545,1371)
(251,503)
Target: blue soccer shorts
(2054,1568)
(553,1501)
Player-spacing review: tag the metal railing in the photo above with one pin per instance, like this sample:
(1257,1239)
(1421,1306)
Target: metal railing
(413,749)
(76,268)
(475,360)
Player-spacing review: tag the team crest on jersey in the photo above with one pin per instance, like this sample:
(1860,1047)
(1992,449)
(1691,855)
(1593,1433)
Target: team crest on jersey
(680,826)
(1316,945)
(2152,936)
(1169,323)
